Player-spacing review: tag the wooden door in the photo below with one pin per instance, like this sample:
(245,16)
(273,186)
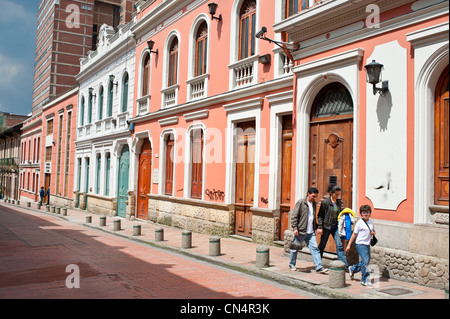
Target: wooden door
(169,166)
(286,160)
(331,149)
(197,164)
(46,186)
(145,169)
(87,182)
(441,145)
(245,176)
(123,176)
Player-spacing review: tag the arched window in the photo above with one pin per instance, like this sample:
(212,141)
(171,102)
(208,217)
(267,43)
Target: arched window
(100,103)
(173,62)
(110,99)
(247,29)
(89,119)
(125,93)
(201,49)
(146,75)
(82,112)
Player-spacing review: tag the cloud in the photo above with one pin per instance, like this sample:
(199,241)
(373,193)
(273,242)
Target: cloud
(11,70)
(12,12)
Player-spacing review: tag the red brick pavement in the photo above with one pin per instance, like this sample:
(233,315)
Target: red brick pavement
(236,254)
(35,249)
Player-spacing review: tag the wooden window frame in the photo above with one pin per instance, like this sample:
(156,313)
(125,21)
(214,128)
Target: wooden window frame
(201,49)
(247,30)
(146,76)
(173,63)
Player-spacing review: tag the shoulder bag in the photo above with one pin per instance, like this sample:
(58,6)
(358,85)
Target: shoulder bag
(374,240)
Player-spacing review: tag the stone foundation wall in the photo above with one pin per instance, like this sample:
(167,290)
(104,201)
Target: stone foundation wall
(420,269)
(59,201)
(100,205)
(197,216)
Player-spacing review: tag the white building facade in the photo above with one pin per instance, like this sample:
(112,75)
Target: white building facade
(106,81)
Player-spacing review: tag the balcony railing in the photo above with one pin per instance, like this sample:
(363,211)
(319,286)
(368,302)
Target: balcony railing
(170,96)
(11,161)
(244,72)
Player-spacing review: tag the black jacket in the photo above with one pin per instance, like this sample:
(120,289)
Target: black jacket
(326,217)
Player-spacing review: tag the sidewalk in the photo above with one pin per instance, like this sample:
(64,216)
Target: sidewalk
(240,255)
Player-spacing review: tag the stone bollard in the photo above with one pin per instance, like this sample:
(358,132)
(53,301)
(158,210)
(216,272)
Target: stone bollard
(38,206)
(186,239)
(136,230)
(48,208)
(214,246)
(13,202)
(116,224)
(88,219)
(159,234)
(337,274)
(64,211)
(52,209)
(18,203)
(28,204)
(102,221)
(58,210)
(262,256)
(446,290)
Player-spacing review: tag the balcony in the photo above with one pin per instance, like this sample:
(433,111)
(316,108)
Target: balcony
(244,72)
(109,125)
(11,161)
(198,87)
(170,96)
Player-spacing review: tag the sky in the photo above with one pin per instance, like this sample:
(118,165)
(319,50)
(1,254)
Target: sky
(18,21)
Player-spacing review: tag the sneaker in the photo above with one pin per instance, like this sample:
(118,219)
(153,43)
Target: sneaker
(291,267)
(351,272)
(367,284)
(322,270)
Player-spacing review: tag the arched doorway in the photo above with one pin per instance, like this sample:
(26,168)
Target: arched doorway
(144,180)
(123,175)
(441,145)
(331,143)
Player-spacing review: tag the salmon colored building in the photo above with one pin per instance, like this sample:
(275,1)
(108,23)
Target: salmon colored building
(47,151)
(238,113)
(58,147)
(30,158)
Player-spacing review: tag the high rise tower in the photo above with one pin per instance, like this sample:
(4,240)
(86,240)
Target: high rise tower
(66,31)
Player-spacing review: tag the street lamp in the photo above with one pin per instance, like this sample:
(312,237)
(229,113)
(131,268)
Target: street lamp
(373,71)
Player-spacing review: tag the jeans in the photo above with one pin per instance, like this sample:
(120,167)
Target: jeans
(310,240)
(337,239)
(364,253)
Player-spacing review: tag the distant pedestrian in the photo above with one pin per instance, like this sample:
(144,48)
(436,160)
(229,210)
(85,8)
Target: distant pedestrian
(42,195)
(48,196)
(363,232)
(303,222)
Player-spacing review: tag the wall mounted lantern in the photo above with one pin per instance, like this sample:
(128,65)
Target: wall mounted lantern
(373,71)
(91,92)
(212,11)
(111,79)
(150,45)
(265,59)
